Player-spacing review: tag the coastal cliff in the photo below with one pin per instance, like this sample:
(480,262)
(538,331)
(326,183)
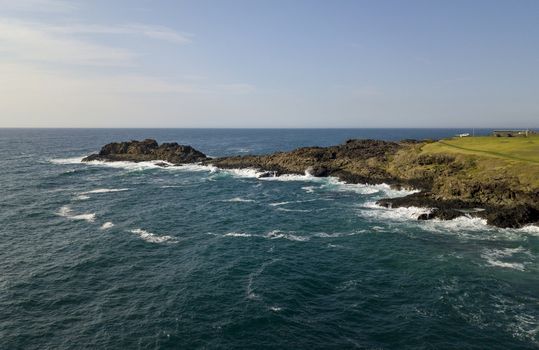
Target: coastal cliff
(450,181)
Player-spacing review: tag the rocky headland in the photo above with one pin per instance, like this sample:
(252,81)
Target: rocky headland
(451,184)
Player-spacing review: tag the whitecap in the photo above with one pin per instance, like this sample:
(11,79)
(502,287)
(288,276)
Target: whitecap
(279,204)
(152,237)
(66,211)
(239,199)
(496,257)
(103,190)
(237,234)
(196,168)
(373,210)
(244,173)
(294,210)
(73,160)
(295,177)
(383,189)
(107,225)
(309,189)
(529,229)
(275,308)
(132,166)
(276,234)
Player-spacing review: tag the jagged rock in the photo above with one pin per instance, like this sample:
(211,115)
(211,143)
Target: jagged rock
(513,217)
(139,151)
(318,171)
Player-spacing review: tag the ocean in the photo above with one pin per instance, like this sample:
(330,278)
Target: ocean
(134,256)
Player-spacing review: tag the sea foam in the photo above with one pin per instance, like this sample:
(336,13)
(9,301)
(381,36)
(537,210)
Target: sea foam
(73,160)
(66,212)
(107,225)
(152,237)
(239,200)
(104,190)
(498,257)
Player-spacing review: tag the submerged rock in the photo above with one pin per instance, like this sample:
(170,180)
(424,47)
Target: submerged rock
(148,150)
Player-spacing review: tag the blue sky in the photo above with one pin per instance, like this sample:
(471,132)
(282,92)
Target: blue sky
(269,63)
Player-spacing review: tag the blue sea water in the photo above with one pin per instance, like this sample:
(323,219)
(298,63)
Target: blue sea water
(133,256)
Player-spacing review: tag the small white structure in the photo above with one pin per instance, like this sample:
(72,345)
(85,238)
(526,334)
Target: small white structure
(463,135)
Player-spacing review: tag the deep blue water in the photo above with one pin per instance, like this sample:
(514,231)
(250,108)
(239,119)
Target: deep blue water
(131,256)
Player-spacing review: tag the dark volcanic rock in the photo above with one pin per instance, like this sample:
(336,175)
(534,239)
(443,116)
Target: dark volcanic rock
(448,182)
(513,217)
(139,151)
(496,215)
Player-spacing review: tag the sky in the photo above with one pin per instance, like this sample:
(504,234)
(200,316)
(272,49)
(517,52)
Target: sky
(262,63)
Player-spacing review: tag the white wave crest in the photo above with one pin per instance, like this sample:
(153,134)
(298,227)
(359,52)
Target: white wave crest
(66,212)
(243,173)
(239,200)
(460,224)
(132,166)
(308,189)
(104,190)
(196,168)
(74,160)
(373,210)
(496,257)
(277,204)
(294,210)
(152,237)
(237,234)
(532,229)
(276,234)
(383,189)
(107,225)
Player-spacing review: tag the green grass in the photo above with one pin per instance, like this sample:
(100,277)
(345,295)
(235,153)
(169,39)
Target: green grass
(521,149)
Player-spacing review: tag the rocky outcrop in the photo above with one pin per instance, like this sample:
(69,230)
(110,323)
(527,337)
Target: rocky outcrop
(147,150)
(356,161)
(451,185)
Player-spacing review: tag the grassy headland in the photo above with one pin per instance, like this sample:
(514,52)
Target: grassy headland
(499,175)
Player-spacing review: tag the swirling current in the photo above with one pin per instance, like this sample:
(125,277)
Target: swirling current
(134,256)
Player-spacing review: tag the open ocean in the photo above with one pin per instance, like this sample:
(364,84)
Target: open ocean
(133,256)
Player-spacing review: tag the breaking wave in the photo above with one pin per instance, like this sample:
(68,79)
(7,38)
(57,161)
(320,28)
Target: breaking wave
(239,200)
(499,257)
(152,237)
(375,211)
(107,225)
(73,160)
(104,190)
(276,234)
(237,234)
(66,212)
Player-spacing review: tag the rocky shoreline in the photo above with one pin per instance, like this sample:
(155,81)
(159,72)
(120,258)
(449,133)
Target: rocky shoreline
(446,183)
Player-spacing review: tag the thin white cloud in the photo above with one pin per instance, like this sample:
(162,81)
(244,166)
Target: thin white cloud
(40,42)
(33,42)
(46,6)
(149,31)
